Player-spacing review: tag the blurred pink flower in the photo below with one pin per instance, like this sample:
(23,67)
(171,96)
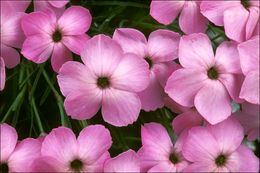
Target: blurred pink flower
(159,51)
(62,152)
(2,74)
(58,6)
(249,60)
(217,148)
(127,161)
(108,78)
(190,20)
(17,156)
(209,82)
(158,154)
(48,36)
(239,18)
(249,119)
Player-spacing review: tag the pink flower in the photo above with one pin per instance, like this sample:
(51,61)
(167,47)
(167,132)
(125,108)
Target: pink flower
(158,154)
(58,6)
(127,161)
(2,74)
(16,5)
(209,82)
(108,78)
(48,36)
(190,20)
(217,148)
(159,51)
(16,156)
(249,60)
(239,18)
(62,152)
(249,119)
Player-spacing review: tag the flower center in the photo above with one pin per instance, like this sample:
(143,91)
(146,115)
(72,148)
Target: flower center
(56,36)
(220,160)
(174,158)
(149,61)
(4,168)
(245,3)
(213,73)
(76,165)
(103,82)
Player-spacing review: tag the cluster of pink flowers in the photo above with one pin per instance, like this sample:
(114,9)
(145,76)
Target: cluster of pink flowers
(127,73)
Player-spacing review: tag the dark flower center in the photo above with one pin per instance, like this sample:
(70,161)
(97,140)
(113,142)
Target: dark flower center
(4,168)
(103,82)
(76,165)
(56,36)
(245,3)
(174,158)
(220,160)
(213,73)
(149,61)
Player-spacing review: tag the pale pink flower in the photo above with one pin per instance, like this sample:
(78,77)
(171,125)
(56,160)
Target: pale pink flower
(16,156)
(159,51)
(158,153)
(249,60)
(2,74)
(190,18)
(58,6)
(217,148)
(127,161)
(62,152)
(240,18)
(108,78)
(207,82)
(56,37)
(249,119)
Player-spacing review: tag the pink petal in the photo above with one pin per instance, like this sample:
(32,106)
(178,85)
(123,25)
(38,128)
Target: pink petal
(127,161)
(191,20)
(24,154)
(249,55)
(75,43)
(60,144)
(228,134)
(235,23)
(205,166)
(40,5)
(173,106)
(250,87)
(252,22)
(10,55)
(59,56)
(59,3)
(153,95)
(213,102)
(47,164)
(165,12)
(200,146)
(131,41)
(200,51)
(131,74)
(119,111)
(75,20)
(98,166)
(8,141)
(191,80)
(227,58)
(102,55)
(214,10)
(37,48)
(163,45)
(2,74)
(94,141)
(17,5)
(163,167)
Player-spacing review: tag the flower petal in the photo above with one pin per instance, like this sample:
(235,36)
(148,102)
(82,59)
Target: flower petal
(252,21)
(206,166)
(98,166)
(2,74)
(164,167)
(10,55)
(75,43)
(47,164)
(17,5)
(59,3)
(59,56)
(119,111)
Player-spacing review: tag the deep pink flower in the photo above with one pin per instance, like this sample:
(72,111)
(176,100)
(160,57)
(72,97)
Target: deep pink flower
(190,20)
(217,148)
(158,154)
(16,156)
(48,36)
(127,161)
(62,152)
(249,60)
(209,82)
(2,74)
(108,78)
(159,51)
(240,18)
(249,119)
(58,6)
